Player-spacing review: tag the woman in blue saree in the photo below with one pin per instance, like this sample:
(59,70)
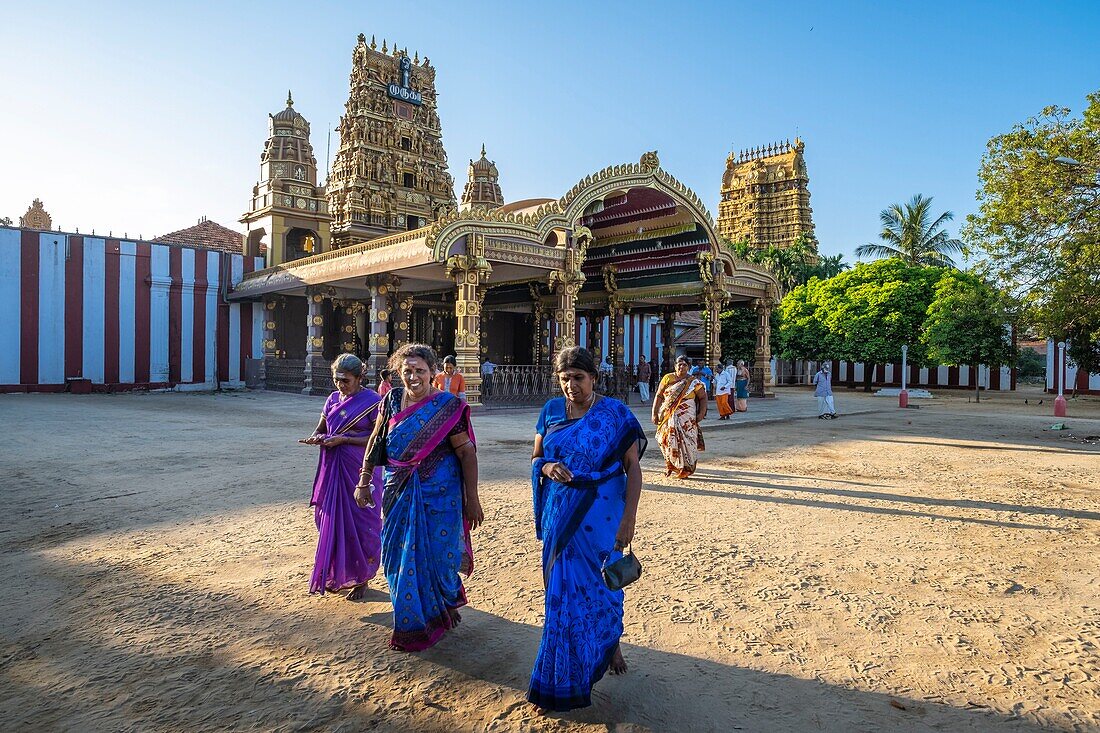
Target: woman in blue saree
(429,499)
(587,482)
(348,541)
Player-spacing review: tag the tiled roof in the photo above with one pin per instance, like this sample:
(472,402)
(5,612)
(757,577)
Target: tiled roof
(208,235)
(691,337)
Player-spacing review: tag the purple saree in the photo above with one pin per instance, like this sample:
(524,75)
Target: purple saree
(349,541)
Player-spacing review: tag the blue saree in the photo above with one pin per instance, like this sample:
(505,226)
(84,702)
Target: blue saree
(425,541)
(577,523)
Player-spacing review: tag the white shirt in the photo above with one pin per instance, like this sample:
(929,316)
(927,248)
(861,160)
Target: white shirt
(724,382)
(487,367)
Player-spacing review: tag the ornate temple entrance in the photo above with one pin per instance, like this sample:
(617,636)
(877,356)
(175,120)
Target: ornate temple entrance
(607,266)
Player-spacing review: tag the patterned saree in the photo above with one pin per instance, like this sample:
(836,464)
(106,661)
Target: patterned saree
(425,541)
(678,431)
(577,523)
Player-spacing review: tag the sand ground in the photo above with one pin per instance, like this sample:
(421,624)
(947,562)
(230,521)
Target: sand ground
(931,569)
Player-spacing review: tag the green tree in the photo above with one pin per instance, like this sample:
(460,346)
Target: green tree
(830,266)
(967,323)
(862,315)
(1031,366)
(1038,223)
(910,233)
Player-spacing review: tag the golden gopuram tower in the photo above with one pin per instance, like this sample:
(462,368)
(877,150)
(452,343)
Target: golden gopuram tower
(765,198)
(390,173)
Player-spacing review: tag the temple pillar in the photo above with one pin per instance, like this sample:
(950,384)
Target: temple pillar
(565,285)
(712,329)
(378,339)
(762,367)
(402,324)
(315,344)
(668,336)
(469,271)
(270,345)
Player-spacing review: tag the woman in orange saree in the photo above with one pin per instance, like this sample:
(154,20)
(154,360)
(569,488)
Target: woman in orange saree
(680,403)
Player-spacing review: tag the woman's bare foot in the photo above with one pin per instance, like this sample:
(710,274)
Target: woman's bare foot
(541,712)
(358,592)
(618,664)
(456,619)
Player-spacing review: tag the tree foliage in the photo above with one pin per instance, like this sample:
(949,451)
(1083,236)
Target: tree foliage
(909,232)
(967,324)
(794,265)
(1038,224)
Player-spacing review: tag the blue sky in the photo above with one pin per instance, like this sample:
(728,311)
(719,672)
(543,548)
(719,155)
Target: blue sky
(142,117)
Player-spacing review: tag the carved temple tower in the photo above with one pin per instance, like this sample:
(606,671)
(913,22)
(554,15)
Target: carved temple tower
(765,198)
(482,184)
(390,172)
(288,217)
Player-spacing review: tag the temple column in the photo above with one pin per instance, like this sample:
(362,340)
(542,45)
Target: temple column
(762,368)
(315,344)
(668,336)
(469,271)
(565,285)
(270,345)
(712,329)
(483,324)
(378,339)
(402,311)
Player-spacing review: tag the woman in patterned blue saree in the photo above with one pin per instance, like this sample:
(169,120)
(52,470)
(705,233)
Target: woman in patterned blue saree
(429,499)
(587,482)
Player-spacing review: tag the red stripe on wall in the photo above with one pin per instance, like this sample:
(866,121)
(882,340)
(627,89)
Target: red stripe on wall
(222,332)
(28,306)
(143,273)
(994,378)
(953,376)
(933,376)
(198,335)
(111,264)
(74,307)
(175,314)
(246,335)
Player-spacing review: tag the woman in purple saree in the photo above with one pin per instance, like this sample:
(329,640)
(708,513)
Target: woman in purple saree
(348,543)
(430,501)
(587,482)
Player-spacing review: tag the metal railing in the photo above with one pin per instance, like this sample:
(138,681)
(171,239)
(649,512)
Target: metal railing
(531,384)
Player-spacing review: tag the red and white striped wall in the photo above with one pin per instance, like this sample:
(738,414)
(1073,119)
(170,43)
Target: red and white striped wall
(1075,381)
(641,336)
(122,314)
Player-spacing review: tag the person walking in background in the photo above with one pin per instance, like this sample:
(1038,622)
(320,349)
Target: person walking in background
(823,390)
(723,388)
(348,536)
(487,370)
(741,385)
(430,499)
(587,482)
(644,374)
(450,379)
(678,406)
(384,384)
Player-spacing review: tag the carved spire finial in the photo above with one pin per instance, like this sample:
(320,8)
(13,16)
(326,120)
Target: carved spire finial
(289,99)
(483,150)
(383,45)
(373,44)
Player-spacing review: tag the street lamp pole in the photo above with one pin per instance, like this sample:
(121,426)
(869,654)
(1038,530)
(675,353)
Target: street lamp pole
(903,396)
(1060,367)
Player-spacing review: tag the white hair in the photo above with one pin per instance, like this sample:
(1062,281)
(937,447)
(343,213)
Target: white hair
(348,363)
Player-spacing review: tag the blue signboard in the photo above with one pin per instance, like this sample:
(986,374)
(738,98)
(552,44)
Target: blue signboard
(401,91)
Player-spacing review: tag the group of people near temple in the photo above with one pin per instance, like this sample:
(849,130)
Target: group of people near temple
(396,488)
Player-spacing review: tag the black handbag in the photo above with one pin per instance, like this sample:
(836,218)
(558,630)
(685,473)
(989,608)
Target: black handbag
(622,572)
(378,454)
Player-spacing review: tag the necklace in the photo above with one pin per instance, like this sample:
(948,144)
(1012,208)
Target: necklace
(587,404)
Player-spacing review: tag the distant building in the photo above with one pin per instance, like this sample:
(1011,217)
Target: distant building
(765,197)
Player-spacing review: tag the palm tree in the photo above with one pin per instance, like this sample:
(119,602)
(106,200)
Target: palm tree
(830,266)
(909,234)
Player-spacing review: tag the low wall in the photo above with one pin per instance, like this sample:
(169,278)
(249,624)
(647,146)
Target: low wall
(121,314)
